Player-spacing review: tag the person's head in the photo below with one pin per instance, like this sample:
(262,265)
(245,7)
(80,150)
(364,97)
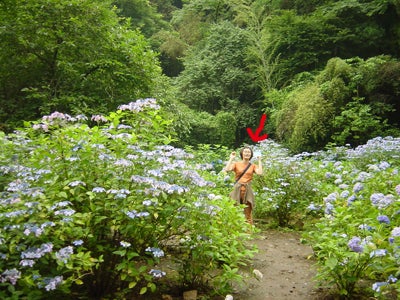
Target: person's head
(245,152)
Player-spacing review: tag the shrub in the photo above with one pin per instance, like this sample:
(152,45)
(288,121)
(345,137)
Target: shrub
(357,238)
(93,211)
(286,188)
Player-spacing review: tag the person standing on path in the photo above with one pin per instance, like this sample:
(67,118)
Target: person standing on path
(244,170)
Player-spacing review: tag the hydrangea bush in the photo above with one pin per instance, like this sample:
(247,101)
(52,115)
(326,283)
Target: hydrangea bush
(287,187)
(358,238)
(349,200)
(93,207)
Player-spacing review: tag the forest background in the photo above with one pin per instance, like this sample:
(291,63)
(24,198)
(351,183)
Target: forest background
(325,72)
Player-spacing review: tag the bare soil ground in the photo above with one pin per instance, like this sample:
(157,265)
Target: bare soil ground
(287,268)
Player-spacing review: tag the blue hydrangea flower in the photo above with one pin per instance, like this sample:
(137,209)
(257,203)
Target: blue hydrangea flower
(76,183)
(10,275)
(397,189)
(381,201)
(157,252)
(98,189)
(157,273)
(377,286)
(378,253)
(395,232)
(351,199)
(358,187)
(383,219)
(147,202)
(52,283)
(329,208)
(345,194)
(384,165)
(64,253)
(355,245)
(366,227)
(27,262)
(77,243)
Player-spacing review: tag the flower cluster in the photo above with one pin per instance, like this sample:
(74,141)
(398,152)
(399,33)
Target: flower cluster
(377,286)
(10,275)
(77,194)
(57,118)
(157,187)
(381,201)
(157,273)
(64,254)
(157,252)
(99,119)
(140,105)
(355,244)
(51,283)
(134,214)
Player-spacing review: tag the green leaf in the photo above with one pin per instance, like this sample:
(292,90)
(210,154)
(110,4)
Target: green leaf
(63,194)
(331,263)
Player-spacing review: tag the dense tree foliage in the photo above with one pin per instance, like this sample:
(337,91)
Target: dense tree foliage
(349,102)
(72,56)
(227,60)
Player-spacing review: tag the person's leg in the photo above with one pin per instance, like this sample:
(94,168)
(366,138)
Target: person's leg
(248,213)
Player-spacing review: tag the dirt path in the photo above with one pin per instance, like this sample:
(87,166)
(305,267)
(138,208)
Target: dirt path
(287,270)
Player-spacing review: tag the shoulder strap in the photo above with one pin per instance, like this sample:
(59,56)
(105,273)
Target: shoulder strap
(241,175)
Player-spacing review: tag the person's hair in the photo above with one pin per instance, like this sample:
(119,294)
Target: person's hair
(246,147)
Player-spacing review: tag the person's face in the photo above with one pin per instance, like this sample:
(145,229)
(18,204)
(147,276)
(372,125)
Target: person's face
(246,154)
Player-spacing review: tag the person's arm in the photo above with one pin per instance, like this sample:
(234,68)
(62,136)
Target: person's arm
(259,169)
(229,165)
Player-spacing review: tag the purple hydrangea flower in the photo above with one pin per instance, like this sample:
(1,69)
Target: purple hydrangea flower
(10,275)
(64,253)
(345,194)
(358,187)
(52,283)
(380,201)
(351,199)
(98,118)
(355,244)
(329,208)
(27,262)
(331,197)
(395,232)
(140,105)
(383,219)
(384,165)
(397,188)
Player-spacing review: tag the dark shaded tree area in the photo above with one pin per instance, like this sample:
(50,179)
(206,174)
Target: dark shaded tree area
(216,64)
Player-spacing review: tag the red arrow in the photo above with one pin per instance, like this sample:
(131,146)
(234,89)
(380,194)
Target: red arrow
(255,137)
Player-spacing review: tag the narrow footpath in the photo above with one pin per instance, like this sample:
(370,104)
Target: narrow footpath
(287,268)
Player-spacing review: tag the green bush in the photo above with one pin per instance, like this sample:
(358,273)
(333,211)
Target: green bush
(97,211)
(356,242)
